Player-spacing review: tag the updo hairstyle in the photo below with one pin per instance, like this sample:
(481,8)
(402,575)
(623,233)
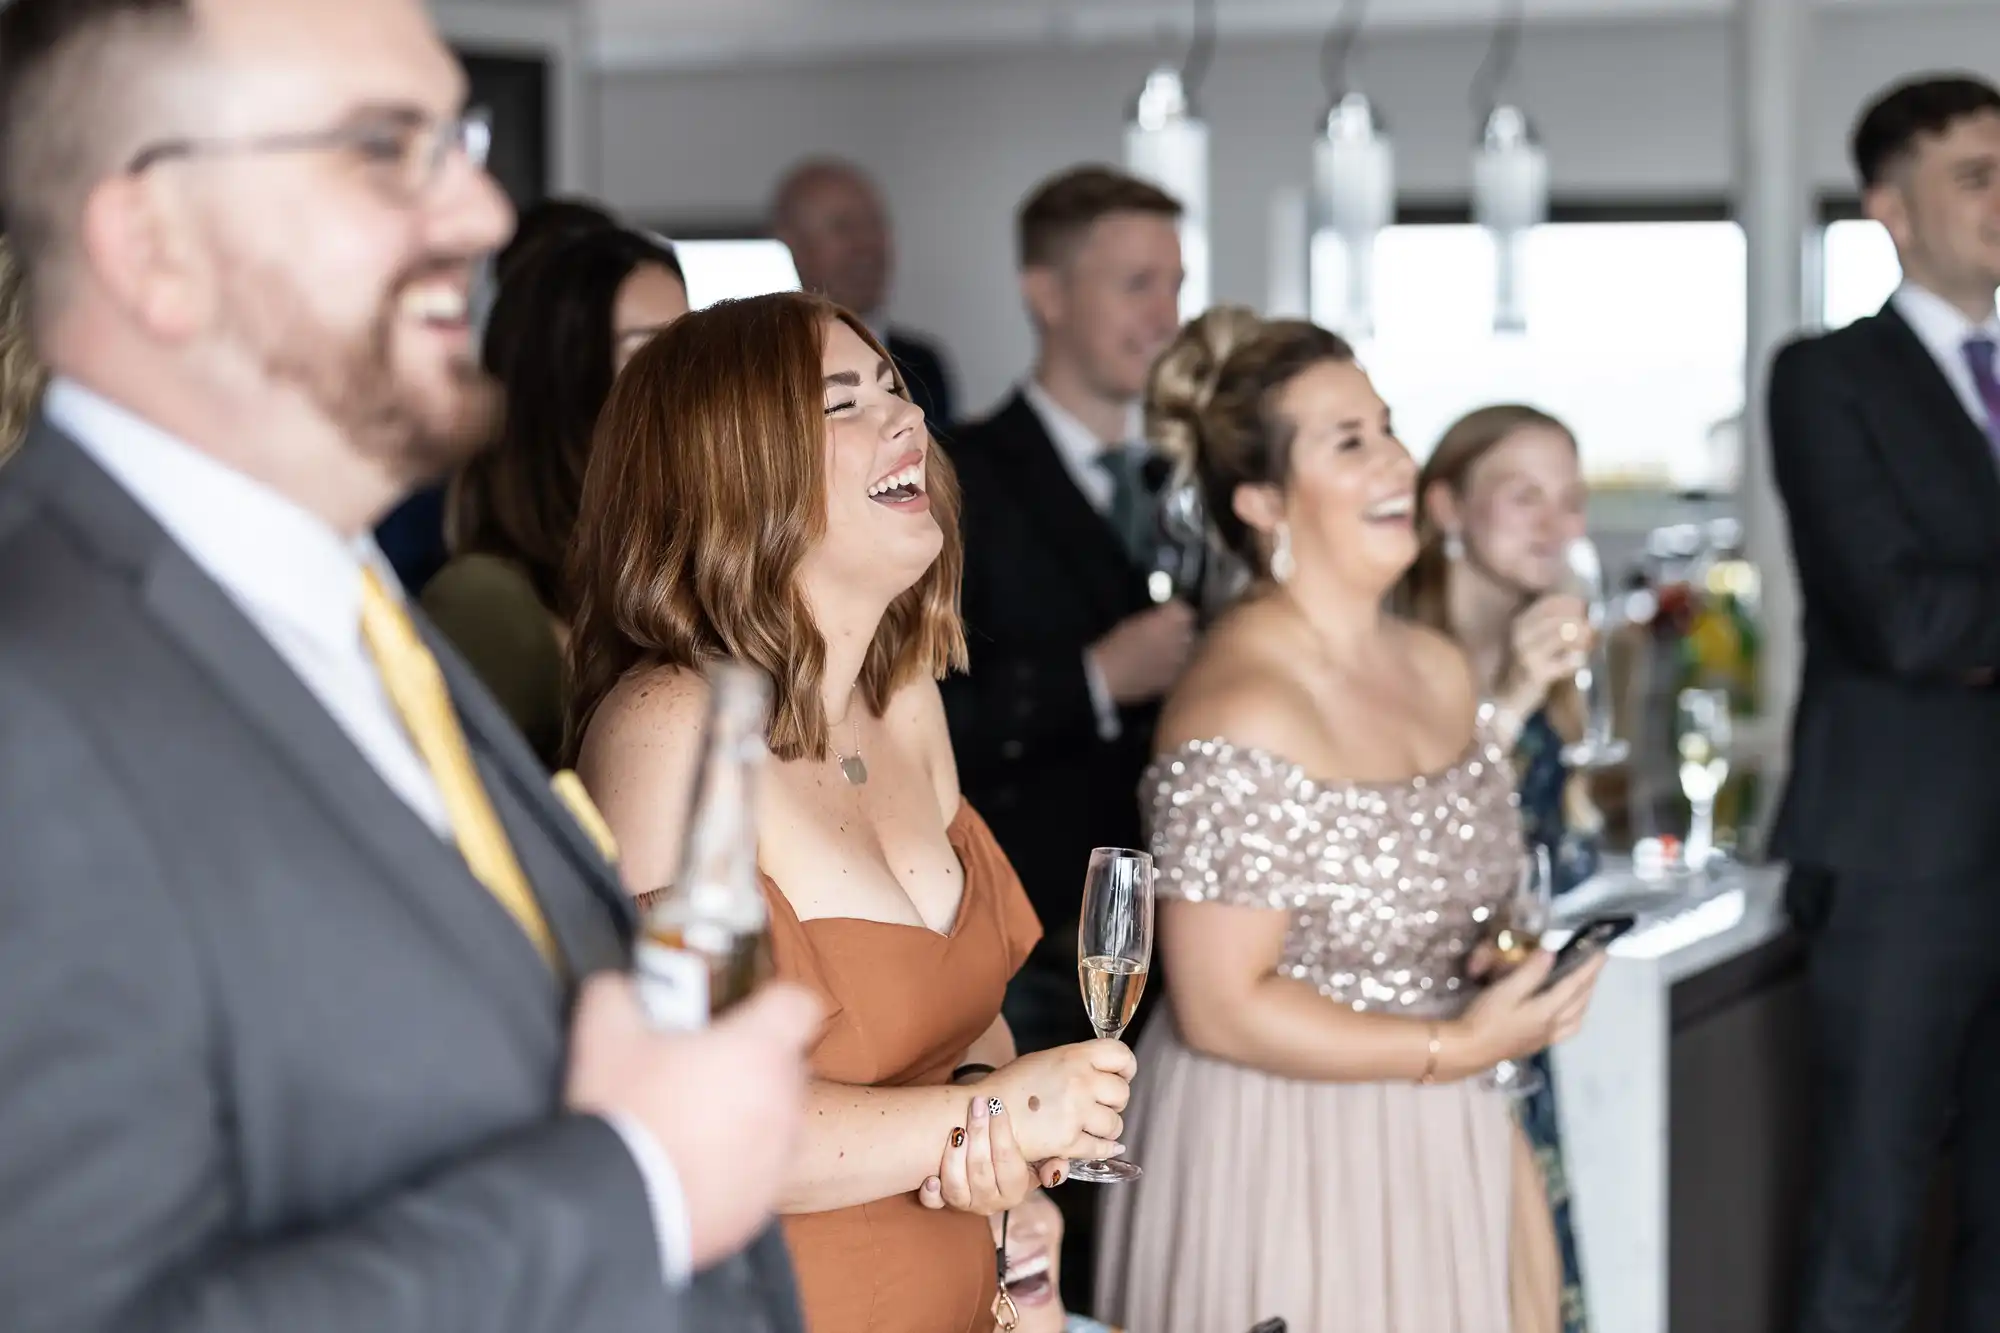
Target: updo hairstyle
(1211,409)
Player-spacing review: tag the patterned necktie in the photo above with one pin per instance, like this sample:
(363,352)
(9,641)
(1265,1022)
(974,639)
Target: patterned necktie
(1131,513)
(416,687)
(1979,353)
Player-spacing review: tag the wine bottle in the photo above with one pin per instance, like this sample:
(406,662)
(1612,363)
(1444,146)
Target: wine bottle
(705,941)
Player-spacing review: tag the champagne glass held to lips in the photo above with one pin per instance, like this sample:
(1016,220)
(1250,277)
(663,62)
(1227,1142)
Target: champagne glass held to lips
(1114,949)
(1598,747)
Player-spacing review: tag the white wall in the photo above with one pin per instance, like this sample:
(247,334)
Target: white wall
(1626,109)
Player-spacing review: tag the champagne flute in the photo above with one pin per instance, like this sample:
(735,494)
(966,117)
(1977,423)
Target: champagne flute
(1522,920)
(1598,747)
(1703,735)
(1114,949)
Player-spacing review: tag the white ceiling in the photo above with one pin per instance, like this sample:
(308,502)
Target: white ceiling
(627,34)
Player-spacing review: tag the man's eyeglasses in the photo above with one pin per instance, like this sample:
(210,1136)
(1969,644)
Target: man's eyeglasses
(408,147)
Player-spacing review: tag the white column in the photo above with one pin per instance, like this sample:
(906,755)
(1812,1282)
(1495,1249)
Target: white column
(1775,203)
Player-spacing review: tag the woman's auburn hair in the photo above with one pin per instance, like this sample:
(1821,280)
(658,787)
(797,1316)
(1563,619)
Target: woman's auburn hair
(706,489)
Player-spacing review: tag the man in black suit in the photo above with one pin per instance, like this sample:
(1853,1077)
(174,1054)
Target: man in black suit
(830,216)
(1070,656)
(1884,438)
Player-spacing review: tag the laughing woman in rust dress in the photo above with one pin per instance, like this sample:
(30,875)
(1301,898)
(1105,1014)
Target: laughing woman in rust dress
(763,490)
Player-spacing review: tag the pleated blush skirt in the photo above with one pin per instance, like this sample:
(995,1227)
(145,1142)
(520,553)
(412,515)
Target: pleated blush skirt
(1341,1207)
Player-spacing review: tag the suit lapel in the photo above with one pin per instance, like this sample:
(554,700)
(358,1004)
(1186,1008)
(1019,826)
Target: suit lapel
(416,868)
(427,875)
(1931,394)
(579,920)
(1045,490)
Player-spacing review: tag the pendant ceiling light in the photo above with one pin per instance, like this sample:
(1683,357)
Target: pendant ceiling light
(1510,173)
(1166,142)
(1354,189)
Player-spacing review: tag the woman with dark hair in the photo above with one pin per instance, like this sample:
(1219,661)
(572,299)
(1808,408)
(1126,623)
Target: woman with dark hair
(1501,498)
(764,491)
(549,222)
(1334,828)
(567,320)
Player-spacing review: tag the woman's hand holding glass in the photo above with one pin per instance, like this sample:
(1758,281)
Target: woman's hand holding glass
(984,1170)
(1551,642)
(1055,1105)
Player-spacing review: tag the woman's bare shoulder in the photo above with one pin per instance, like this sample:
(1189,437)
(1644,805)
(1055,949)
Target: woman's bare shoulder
(1440,666)
(651,711)
(1240,688)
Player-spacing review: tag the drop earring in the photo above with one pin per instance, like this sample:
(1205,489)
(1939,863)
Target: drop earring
(1454,547)
(1282,564)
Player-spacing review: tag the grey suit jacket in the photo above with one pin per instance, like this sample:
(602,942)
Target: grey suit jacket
(270,1059)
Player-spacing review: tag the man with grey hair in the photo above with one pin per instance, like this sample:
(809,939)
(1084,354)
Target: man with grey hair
(316,1014)
(830,216)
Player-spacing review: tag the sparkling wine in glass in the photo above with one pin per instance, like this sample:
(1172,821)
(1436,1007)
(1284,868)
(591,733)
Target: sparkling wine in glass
(1598,747)
(1522,921)
(1702,737)
(1114,949)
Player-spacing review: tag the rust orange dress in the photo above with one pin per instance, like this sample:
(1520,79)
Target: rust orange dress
(905,1002)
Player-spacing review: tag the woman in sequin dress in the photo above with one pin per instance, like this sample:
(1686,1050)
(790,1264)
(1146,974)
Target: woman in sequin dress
(1334,823)
(1501,496)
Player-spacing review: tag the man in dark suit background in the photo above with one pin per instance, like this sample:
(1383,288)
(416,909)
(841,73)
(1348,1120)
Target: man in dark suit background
(1069,654)
(316,1014)
(1884,438)
(831,217)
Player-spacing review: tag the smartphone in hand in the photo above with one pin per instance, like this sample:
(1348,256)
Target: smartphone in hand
(1592,938)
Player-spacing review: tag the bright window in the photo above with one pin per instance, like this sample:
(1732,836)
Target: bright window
(1635,339)
(1858,271)
(721,270)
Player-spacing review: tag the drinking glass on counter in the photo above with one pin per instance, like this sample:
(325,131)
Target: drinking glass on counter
(1518,933)
(1702,736)
(1114,950)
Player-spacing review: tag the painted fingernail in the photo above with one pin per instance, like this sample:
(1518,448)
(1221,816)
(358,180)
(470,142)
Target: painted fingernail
(1061,1175)
(958,1138)
(993,1106)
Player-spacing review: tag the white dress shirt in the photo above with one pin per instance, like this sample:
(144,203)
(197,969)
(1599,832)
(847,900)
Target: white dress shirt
(1080,449)
(1943,329)
(299,583)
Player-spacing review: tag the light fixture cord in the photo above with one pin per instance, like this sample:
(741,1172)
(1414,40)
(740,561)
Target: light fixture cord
(1496,71)
(1338,48)
(1201,49)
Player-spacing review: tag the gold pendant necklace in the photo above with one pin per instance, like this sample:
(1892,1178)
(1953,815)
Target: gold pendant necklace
(851,765)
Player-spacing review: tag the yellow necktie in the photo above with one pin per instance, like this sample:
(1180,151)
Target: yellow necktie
(416,686)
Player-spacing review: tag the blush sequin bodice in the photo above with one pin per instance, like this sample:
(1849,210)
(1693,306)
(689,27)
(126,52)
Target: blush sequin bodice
(1389,885)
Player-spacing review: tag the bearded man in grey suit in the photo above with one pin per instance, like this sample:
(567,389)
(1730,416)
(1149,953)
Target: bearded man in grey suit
(314,1012)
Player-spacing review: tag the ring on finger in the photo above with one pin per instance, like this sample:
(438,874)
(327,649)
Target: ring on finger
(1570,632)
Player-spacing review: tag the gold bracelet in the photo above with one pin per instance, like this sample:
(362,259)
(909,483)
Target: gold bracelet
(1436,1049)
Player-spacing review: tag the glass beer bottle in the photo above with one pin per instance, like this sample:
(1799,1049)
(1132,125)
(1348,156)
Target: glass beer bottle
(705,940)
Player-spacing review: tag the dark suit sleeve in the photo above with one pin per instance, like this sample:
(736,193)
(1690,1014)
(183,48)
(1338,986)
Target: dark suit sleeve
(1023,697)
(929,379)
(116,1124)
(1863,560)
